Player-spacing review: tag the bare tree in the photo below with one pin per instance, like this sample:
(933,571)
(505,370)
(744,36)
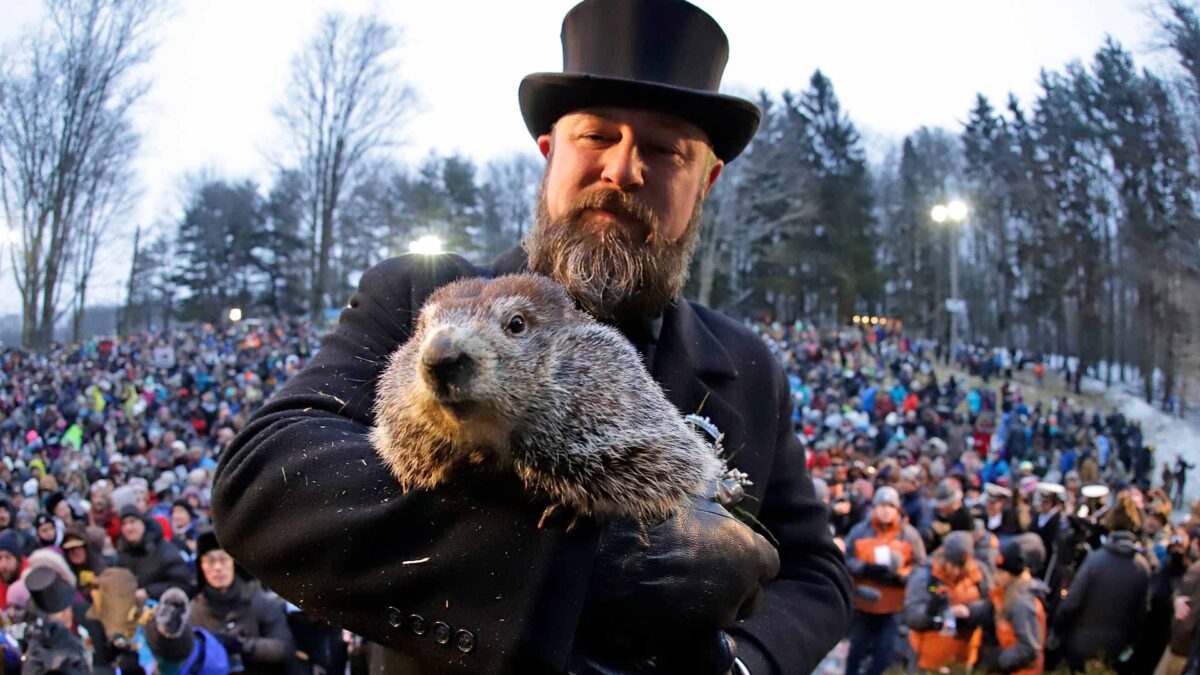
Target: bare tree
(343,102)
(66,145)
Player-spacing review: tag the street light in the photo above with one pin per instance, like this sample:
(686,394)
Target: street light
(235,315)
(955,212)
(429,244)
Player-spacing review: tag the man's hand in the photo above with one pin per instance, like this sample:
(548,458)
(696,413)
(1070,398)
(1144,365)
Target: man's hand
(941,527)
(701,569)
(960,611)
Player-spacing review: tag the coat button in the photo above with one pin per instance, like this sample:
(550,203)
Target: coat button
(418,624)
(464,640)
(395,617)
(441,633)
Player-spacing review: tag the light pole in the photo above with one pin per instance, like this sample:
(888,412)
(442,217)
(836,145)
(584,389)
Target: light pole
(954,212)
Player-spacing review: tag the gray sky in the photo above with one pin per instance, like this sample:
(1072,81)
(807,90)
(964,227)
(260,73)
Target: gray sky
(221,65)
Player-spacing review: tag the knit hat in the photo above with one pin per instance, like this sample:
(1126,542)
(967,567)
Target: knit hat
(886,495)
(947,494)
(11,541)
(41,519)
(1012,558)
(127,511)
(956,547)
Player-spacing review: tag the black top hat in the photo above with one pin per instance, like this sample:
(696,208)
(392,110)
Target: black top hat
(664,55)
(50,593)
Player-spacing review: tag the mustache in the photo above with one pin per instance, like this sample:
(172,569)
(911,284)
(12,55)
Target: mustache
(619,203)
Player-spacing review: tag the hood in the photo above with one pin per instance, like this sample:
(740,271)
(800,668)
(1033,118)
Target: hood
(1122,543)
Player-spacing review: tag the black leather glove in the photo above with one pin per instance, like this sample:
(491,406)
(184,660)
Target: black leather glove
(698,571)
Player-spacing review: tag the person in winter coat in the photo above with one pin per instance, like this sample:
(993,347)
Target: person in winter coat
(155,562)
(880,553)
(84,558)
(937,606)
(249,621)
(1014,637)
(1185,611)
(8,523)
(12,562)
(1107,599)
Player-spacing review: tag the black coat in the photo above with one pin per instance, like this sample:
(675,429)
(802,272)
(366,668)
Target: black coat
(157,564)
(302,500)
(1107,601)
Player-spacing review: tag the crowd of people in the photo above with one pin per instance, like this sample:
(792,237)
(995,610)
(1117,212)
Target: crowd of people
(987,528)
(983,528)
(107,557)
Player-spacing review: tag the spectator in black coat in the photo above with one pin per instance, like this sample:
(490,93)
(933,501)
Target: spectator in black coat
(1107,600)
(155,562)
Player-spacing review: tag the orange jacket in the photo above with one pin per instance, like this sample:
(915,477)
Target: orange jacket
(1006,633)
(904,548)
(936,650)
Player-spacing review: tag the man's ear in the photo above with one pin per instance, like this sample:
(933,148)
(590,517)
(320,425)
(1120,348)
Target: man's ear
(545,145)
(717,167)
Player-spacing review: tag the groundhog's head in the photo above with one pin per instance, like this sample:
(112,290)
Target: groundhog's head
(487,346)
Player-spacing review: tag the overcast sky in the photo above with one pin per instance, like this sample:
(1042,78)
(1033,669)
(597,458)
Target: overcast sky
(221,65)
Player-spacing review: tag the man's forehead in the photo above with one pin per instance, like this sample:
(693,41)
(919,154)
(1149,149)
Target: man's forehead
(638,117)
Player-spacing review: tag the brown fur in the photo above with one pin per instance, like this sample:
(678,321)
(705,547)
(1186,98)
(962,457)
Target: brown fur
(566,404)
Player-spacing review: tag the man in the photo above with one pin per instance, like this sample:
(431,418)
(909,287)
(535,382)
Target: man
(950,514)
(1105,607)
(998,516)
(938,601)
(634,135)
(1049,523)
(248,621)
(1015,635)
(880,552)
(155,562)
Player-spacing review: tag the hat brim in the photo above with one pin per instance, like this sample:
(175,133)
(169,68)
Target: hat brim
(730,122)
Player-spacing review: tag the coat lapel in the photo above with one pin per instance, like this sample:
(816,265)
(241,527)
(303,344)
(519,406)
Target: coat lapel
(695,371)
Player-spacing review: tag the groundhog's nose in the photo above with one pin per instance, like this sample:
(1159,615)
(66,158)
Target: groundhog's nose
(447,364)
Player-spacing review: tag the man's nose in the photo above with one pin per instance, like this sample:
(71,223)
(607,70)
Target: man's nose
(623,166)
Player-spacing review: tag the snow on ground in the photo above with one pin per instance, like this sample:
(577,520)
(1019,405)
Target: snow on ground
(1170,435)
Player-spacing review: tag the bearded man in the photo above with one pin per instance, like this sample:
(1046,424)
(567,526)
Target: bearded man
(460,579)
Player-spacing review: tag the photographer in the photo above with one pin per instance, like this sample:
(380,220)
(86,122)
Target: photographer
(1107,601)
(1015,625)
(937,606)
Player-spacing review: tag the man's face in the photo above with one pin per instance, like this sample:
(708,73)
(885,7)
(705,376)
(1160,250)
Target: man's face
(9,567)
(885,514)
(132,529)
(619,208)
(993,506)
(47,532)
(217,567)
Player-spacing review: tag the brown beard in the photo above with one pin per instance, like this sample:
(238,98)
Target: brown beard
(609,272)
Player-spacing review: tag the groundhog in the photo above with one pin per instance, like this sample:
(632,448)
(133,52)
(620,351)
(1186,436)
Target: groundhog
(507,374)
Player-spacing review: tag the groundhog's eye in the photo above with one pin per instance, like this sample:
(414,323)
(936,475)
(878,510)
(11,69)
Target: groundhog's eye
(516,325)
